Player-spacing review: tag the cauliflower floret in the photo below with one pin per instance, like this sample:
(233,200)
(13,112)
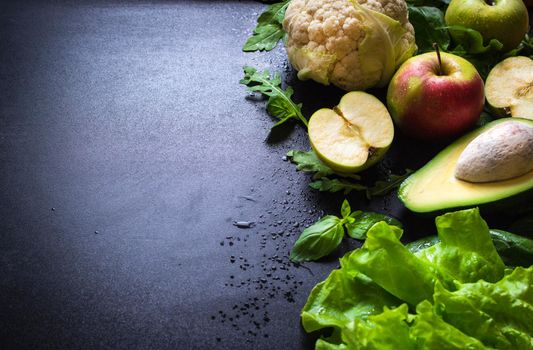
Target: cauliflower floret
(354,46)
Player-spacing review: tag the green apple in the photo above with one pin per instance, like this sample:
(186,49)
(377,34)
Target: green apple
(504,20)
(431,99)
(352,136)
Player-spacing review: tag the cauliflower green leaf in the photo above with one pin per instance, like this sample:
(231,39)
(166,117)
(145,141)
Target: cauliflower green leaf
(383,48)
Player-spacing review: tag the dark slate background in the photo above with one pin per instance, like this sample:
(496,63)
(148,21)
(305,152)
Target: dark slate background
(127,150)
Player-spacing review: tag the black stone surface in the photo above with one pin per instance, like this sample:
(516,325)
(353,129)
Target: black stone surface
(127,151)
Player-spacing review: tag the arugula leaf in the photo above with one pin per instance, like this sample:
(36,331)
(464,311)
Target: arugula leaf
(363,221)
(429,28)
(471,41)
(279,104)
(308,162)
(318,240)
(325,184)
(269,30)
(381,188)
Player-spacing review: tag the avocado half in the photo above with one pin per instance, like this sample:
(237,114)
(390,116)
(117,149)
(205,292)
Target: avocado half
(435,188)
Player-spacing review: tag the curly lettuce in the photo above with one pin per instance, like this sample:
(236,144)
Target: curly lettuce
(463,295)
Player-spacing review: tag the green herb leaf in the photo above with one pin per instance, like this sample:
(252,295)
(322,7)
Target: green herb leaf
(325,184)
(391,265)
(280,103)
(466,252)
(432,331)
(514,250)
(345,209)
(381,188)
(441,4)
(363,221)
(499,314)
(308,162)
(471,41)
(429,28)
(269,30)
(318,240)
(341,298)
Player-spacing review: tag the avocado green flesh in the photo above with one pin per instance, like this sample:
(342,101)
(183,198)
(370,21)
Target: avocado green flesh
(434,187)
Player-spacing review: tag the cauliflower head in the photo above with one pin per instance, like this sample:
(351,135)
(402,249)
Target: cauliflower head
(354,45)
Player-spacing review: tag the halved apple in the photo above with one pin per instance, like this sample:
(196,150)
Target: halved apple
(509,87)
(354,135)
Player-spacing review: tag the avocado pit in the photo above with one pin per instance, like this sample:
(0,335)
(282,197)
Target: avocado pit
(500,153)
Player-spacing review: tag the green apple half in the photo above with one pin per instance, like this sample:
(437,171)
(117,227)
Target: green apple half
(354,135)
(504,20)
(509,87)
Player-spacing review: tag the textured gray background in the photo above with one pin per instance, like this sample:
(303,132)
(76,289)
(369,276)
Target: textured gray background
(127,150)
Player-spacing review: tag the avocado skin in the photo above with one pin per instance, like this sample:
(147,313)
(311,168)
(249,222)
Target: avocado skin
(514,204)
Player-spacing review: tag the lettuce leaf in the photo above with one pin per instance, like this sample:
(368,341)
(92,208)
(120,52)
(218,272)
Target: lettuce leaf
(456,283)
(499,314)
(465,252)
(392,266)
(342,298)
(514,250)
(432,332)
(386,331)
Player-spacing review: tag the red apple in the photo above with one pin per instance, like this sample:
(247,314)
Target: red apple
(435,99)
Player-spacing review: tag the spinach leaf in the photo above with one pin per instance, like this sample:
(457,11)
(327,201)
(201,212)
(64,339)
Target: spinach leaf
(318,240)
(269,30)
(429,28)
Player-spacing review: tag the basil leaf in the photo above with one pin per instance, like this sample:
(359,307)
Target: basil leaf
(345,209)
(429,26)
(325,184)
(318,240)
(280,103)
(308,162)
(363,221)
(269,30)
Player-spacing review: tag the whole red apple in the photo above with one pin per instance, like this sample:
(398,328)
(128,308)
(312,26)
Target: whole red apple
(435,99)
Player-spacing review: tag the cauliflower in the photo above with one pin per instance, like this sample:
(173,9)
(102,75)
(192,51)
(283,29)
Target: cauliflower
(353,45)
